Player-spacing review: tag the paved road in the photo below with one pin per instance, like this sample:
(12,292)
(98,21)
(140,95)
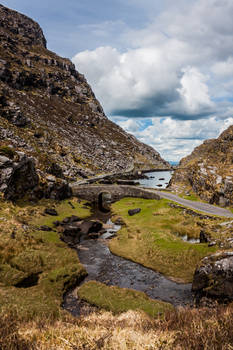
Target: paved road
(100,177)
(204,207)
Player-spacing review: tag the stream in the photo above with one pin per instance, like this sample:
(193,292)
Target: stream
(113,270)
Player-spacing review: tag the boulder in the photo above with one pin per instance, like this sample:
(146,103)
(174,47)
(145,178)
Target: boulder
(119,221)
(72,231)
(70,220)
(5,162)
(132,212)
(50,211)
(204,238)
(19,120)
(57,223)
(58,190)
(45,228)
(14,115)
(56,170)
(214,276)
(88,227)
(67,221)
(71,234)
(20,178)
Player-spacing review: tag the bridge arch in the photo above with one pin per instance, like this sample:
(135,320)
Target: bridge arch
(104,201)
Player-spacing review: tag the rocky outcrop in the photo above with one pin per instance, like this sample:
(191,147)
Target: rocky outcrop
(208,170)
(214,277)
(16,178)
(49,112)
(24,26)
(19,177)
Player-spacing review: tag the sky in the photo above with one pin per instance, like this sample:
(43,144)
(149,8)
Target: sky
(162,70)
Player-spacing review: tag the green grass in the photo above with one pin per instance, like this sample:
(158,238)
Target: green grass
(152,238)
(35,252)
(64,209)
(192,197)
(118,300)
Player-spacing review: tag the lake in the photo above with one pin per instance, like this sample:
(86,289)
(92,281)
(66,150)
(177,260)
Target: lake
(157,179)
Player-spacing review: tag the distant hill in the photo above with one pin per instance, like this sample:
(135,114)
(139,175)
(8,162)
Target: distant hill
(173,163)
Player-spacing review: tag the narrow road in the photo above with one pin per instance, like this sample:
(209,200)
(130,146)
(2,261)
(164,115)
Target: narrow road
(204,207)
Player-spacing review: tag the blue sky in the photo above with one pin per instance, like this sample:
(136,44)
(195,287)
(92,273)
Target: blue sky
(163,70)
(68,25)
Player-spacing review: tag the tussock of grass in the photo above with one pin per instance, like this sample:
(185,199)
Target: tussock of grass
(152,238)
(37,256)
(118,300)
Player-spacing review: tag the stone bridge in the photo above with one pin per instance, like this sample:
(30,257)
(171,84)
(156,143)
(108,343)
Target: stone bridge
(93,193)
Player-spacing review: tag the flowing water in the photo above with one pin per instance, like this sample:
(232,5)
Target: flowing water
(113,270)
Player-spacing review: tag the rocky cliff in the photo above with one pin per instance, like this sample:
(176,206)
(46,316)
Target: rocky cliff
(208,170)
(49,112)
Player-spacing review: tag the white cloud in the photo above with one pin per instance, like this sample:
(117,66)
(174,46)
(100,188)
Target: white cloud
(130,125)
(223,69)
(179,67)
(174,139)
(145,80)
(194,90)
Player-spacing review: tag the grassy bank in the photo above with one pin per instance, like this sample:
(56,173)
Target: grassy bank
(118,300)
(35,266)
(152,238)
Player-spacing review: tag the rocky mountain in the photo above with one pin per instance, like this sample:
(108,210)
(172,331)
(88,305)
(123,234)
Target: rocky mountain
(48,112)
(208,170)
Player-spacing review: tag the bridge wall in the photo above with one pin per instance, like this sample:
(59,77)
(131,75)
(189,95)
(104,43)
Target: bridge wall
(92,192)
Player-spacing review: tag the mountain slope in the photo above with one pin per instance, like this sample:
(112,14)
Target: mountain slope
(209,170)
(49,112)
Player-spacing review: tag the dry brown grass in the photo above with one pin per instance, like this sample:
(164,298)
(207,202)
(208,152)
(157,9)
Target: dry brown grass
(130,330)
(185,329)
(201,329)
(10,339)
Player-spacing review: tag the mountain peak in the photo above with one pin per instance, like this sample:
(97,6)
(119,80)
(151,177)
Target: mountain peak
(49,112)
(23,27)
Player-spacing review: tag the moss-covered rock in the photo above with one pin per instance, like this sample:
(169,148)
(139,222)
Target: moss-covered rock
(214,276)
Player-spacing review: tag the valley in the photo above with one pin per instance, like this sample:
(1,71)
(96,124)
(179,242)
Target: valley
(103,244)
